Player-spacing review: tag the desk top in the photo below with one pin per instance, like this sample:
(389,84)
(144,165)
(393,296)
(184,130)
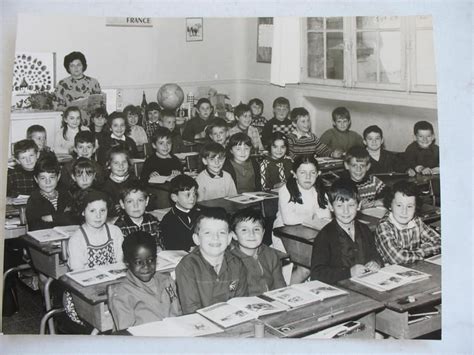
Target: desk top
(425,292)
(418,179)
(49,248)
(228,205)
(93,294)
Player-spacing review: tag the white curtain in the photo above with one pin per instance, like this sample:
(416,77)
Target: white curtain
(286,51)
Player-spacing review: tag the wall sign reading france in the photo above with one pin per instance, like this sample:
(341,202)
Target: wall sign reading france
(129,21)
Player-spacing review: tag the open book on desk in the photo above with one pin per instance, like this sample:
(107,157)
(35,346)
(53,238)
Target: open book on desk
(390,277)
(436,259)
(261,194)
(98,274)
(191,325)
(240,310)
(304,293)
(47,235)
(168,259)
(244,199)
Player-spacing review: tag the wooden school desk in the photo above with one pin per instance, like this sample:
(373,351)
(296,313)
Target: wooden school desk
(393,320)
(49,259)
(310,319)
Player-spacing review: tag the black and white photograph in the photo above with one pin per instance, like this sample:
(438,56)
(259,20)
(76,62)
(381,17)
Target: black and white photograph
(277,154)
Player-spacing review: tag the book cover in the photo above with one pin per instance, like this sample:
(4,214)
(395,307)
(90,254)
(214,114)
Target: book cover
(226,315)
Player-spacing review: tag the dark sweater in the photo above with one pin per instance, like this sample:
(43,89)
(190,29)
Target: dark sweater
(275,125)
(194,126)
(106,142)
(176,229)
(39,206)
(164,167)
(428,158)
(334,252)
(388,162)
(256,168)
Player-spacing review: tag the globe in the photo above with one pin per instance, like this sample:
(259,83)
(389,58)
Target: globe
(170,96)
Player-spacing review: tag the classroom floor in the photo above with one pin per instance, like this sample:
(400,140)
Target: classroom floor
(27,319)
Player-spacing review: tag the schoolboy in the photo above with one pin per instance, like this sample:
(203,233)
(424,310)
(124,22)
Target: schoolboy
(345,247)
(217,131)
(144,295)
(422,155)
(84,147)
(370,188)
(401,236)
(381,160)
(243,116)
(151,119)
(37,133)
(20,179)
(210,273)
(304,142)
(163,163)
(340,137)
(168,120)
(48,205)
(133,201)
(244,170)
(280,121)
(262,262)
(212,181)
(176,227)
(195,127)
(258,120)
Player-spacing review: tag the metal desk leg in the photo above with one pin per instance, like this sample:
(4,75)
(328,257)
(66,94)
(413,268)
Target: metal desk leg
(95,331)
(47,303)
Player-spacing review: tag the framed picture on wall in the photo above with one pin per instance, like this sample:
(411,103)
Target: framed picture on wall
(264,39)
(33,73)
(194,30)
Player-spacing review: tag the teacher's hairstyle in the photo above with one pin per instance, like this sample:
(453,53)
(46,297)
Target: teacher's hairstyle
(73,56)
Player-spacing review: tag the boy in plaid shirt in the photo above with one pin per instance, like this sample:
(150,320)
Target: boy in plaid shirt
(401,236)
(133,200)
(20,179)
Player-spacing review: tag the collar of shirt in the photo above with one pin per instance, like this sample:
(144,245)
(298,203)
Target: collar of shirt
(301,135)
(182,209)
(113,136)
(222,266)
(215,176)
(118,179)
(399,226)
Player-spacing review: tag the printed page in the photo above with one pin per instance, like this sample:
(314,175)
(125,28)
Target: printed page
(67,231)
(243,199)
(260,194)
(155,329)
(46,235)
(192,325)
(435,259)
(380,280)
(409,274)
(117,270)
(292,297)
(226,315)
(90,277)
(320,289)
(257,305)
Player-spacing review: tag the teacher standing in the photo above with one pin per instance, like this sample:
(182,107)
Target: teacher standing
(77,85)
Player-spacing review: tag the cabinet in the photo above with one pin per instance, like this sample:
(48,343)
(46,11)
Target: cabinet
(370,52)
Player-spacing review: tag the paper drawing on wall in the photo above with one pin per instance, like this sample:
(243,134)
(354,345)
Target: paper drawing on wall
(33,72)
(194,30)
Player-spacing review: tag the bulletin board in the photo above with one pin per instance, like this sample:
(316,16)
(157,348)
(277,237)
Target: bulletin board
(264,39)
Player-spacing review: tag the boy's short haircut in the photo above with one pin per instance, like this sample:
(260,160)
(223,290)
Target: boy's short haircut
(246,214)
(47,165)
(298,112)
(153,106)
(256,101)
(372,129)
(240,109)
(135,240)
(357,152)
(84,137)
(33,129)
(161,132)
(406,188)
(423,126)
(99,111)
(201,101)
(132,110)
(182,182)
(212,149)
(280,101)
(343,190)
(132,186)
(83,165)
(23,146)
(167,113)
(238,139)
(217,213)
(341,112)
(216,122)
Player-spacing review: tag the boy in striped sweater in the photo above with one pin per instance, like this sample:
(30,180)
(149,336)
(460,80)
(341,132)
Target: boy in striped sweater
(304,142)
